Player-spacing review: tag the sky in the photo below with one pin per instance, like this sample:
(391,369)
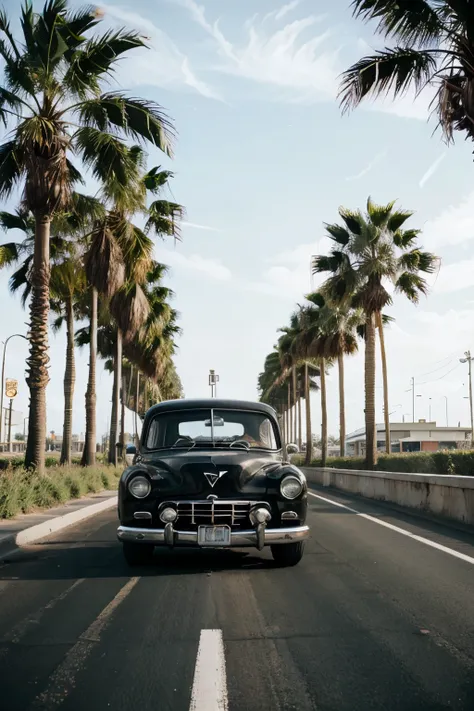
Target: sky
(263,159)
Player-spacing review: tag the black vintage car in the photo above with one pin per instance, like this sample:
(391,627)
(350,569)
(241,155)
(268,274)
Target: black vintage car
(212,474)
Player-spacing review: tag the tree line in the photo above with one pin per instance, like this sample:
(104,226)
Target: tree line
(432,45)
(373,256)
(86,258)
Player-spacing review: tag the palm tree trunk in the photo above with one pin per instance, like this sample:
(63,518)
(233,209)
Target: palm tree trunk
(290,434)
(309,435)
(115,399)
(324,415)
(300,442)
(295,409)
(137,400)
(342,406)
(38,359)
(88,455)
(385,383)
(69,382)
(370,426)
(122,419)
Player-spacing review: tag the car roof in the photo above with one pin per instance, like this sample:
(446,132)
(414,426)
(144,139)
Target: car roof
(215,403)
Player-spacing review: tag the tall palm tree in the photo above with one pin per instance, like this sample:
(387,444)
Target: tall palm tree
(371,250)
(67,286)
(338,324)
(53,105)
(272,387)
(117,263)
(289,364)
(311,342)
(433,45)
(67,277)
(139,329)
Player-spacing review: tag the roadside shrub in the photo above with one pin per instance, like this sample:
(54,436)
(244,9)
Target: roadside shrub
(22,491)
(458,462)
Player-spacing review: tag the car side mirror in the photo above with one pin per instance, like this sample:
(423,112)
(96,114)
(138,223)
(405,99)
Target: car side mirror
(292,449)
(131,449)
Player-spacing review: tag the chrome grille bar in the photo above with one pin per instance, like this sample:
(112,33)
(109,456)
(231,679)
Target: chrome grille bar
(214,510)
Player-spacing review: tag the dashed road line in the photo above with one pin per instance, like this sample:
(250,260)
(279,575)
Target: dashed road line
(209,691)
(63,679)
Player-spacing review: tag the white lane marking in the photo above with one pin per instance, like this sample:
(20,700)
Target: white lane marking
(210,686)
(426,541)
(19,630)
(63,679)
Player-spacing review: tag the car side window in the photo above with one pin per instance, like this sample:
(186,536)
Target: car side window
(153,437)
(267,435)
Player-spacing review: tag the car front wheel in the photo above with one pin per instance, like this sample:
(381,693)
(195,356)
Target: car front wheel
(138,553)
(288,554)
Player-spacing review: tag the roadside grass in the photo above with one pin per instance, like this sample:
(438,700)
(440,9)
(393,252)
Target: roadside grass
(459,462)
(23,491)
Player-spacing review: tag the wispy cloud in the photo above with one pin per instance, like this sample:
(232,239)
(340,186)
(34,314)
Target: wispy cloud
(212,268)
(368,167)
(305,68)
(432,170)
(196,226)
(453,226)
(288,275)
(455,277)
(281,12)
(162,65)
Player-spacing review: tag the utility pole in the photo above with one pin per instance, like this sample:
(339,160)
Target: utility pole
(468,359)
(10,412)
(213,380)
(413,397)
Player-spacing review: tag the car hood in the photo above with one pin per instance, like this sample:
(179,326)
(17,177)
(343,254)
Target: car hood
(219,473)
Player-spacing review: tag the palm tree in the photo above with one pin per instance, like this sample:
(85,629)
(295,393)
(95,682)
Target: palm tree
(310,341)
(433,45)
(53,105)
(117,263)
(67,276)
(137,327)
(338,323)
(371,250)
(67,286)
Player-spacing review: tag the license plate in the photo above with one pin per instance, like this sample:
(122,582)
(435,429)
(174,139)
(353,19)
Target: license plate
(214,536)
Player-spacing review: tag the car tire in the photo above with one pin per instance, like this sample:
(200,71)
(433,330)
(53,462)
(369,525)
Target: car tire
(288,554)
(138,553)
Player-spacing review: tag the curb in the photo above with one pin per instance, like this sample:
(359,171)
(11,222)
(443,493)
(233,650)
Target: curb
(11,544)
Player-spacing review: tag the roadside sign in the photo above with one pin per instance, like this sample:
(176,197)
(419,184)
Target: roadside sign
(11,388)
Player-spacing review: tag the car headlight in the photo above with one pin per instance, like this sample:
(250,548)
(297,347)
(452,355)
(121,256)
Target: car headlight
(139,487)
(168,514)
(291,487)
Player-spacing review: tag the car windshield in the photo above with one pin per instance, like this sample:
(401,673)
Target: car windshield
(236,429)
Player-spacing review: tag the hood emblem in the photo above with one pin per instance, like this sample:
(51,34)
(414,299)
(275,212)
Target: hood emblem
(213,478)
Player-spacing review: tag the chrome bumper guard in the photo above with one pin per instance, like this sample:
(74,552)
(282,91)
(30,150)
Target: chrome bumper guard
(253,538)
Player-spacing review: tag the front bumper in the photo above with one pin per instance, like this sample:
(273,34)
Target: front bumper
(253,538)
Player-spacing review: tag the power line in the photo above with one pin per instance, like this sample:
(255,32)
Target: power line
(441,378)
(446,365)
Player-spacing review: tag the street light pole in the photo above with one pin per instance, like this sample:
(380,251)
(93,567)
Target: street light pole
(468,359)
(2,385)
(446,398)
(213,380)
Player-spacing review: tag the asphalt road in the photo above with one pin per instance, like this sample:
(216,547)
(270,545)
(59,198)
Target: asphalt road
(372,618)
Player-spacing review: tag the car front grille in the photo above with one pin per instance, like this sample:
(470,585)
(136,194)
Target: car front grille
(211,512)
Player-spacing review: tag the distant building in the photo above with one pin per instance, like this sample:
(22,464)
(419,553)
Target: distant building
(77,443)
(418,436)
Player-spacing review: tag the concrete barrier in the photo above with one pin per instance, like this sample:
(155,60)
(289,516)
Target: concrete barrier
(448,496)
